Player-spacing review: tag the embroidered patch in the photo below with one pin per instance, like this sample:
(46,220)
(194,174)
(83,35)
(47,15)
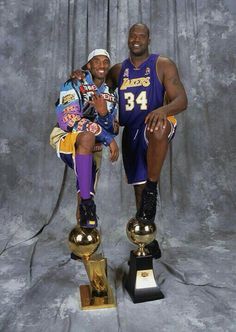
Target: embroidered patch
(85,88)
(93,128)
(67,98)
(147,71)
(109,97)
(73,109)
(81,125)
(126,72)
(70,119)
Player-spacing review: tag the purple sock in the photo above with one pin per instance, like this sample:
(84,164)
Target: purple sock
(83,164)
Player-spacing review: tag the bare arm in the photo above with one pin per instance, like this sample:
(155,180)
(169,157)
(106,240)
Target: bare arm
(114,151)
(113,76)
(174,88)
(168,75)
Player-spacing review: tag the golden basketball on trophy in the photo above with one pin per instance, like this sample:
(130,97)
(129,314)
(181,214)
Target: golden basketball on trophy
(83,242)
(141,234)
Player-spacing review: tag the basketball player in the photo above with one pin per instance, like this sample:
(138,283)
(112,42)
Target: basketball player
(86,115)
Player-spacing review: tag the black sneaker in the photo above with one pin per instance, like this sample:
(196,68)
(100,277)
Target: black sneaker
(88,218)
(147,211)
(73,256)
(154,249)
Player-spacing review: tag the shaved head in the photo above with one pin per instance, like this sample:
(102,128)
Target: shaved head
(139,25)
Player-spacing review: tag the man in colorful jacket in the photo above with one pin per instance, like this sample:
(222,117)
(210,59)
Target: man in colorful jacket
(87,119)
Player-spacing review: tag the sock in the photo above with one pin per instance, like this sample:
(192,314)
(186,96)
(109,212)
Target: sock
(88,201)
(83,163)
(151,185)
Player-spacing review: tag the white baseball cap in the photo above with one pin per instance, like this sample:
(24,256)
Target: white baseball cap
(98,51)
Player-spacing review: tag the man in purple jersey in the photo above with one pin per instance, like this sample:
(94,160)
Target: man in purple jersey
(143,80)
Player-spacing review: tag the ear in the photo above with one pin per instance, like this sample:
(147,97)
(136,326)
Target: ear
(88,66)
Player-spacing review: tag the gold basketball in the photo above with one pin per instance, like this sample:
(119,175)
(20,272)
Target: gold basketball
(83,242)
(139,232)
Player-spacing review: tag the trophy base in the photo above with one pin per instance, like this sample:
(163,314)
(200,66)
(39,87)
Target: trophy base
(140,283)
(90,302)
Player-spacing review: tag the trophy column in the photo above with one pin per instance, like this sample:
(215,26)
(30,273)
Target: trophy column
(140,281)
(83,242)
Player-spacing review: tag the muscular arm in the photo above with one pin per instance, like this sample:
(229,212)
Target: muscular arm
(168,73)
(113,76)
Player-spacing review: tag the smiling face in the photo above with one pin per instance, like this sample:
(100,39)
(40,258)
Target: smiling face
(138,40)
(98,67)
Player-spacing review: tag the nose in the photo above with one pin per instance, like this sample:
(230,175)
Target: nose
(99,66)
(136,38)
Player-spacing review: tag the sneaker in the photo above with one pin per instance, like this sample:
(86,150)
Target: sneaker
(73,256)
(154,249)
(147,211)
(88,217)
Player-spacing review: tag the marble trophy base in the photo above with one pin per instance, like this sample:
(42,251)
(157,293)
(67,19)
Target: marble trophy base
(140,282)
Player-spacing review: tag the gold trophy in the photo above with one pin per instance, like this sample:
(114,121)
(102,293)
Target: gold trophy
(83,242)
(140,281)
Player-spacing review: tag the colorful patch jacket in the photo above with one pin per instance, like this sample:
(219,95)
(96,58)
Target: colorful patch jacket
(75,114)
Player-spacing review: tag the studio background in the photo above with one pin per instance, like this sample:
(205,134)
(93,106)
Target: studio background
(41,43)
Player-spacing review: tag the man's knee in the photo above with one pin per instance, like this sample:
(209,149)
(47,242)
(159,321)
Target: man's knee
(160,134)
(85,140)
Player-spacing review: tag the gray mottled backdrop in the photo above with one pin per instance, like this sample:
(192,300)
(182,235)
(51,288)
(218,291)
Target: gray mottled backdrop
(41,42)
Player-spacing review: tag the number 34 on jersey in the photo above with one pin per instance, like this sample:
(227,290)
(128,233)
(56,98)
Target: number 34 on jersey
(132,100)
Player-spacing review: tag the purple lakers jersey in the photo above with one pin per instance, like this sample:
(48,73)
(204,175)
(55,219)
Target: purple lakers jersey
(140,91)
